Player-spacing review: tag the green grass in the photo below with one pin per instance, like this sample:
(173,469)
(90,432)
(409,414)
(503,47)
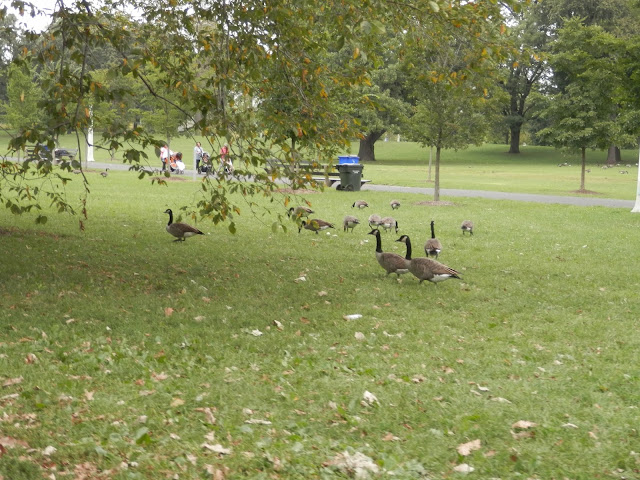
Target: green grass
(488,167)
(118,347)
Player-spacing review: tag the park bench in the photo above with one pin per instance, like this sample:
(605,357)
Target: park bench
(321,173)
(59,154)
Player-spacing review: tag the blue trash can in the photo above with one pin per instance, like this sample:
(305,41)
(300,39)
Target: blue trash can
(348,159)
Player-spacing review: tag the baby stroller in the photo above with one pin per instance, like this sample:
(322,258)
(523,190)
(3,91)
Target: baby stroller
(176,164)
(205,164)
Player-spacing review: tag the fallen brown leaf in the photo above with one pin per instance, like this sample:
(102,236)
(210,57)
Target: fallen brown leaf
(465,449)
(12,381)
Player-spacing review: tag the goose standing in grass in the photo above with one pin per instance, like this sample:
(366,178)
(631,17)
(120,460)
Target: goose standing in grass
(374,220)
(315,225)
(299,212)
(433,245)
(467,226)
(105,173)
(395,204)
(391,262)
(360,204)
(427,268)
(180,230)
(388,223)
(350,222)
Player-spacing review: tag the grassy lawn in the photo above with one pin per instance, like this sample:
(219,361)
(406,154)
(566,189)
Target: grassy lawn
(489,167)
(126,355)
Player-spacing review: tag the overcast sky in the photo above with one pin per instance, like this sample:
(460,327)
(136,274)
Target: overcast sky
(39,22)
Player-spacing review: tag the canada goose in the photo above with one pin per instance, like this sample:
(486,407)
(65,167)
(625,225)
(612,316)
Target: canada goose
(180,230)
(360,204)
(467,226)
(388,223)
(300,211)
(350,222)
(105,173)
(391,262)
(433,245)
(427,268)
(395,204)
(315,225)
(374,220)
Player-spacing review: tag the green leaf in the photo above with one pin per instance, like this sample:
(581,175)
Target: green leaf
(142,436)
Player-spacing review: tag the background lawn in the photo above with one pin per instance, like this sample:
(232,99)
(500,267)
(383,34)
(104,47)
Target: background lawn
(488,167)
(126,355)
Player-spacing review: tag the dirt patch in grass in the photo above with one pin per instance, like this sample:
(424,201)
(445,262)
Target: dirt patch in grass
(585,192)
(26,233)
(439,203)
(170,179)
(302,191)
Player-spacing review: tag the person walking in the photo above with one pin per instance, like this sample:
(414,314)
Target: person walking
(164,156)
(197,155)
(225,159)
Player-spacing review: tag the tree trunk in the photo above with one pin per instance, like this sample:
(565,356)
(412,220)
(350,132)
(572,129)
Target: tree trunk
(583,168)
(613,156)
(436,188)
(367,149)
(514,143)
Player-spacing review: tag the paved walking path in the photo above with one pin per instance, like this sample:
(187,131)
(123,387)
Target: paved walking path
(522,197)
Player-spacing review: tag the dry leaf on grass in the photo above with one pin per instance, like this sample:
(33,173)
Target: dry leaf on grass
(369,399)
(465,449)
(208,413)
(357,465)
(10,442)
(463,468)
(12,381)
(523,425)
(50,450)
(168,311)
(30,359)
(257,421)
(177,402)
(217,448)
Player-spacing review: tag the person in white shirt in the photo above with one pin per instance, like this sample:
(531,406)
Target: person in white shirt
(197,155)
(164,156)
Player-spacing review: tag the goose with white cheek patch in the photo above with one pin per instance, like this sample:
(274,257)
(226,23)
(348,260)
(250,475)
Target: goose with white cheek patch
(181,231)
(315,225)
(427,268)
(391,262)
(433,245)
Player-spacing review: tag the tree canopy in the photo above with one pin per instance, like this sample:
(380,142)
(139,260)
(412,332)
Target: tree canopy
(272,79)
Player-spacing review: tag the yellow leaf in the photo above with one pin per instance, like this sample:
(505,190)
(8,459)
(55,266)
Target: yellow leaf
(21,96)
(356,53)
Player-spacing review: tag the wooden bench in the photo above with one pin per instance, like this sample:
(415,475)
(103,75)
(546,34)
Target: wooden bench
(59,154)
(319,172)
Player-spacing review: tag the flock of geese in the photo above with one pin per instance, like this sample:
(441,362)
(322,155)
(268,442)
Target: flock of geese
(423,268)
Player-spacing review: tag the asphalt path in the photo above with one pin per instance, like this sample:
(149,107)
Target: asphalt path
(582,201)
